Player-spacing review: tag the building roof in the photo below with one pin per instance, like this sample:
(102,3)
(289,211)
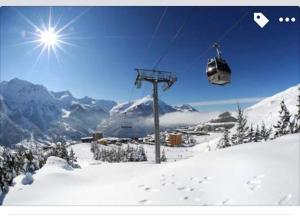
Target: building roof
(83,138)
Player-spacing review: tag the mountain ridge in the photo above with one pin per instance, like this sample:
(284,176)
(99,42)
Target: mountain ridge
(29,109)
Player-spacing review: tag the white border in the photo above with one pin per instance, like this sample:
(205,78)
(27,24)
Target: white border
(150,2)
(149,211)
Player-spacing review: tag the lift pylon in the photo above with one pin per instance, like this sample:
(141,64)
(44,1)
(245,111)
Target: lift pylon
(155,77)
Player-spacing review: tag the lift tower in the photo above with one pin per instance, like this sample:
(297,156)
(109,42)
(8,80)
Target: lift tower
(155,77)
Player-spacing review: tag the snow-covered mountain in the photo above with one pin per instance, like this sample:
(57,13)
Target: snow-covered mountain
(141,108)
(27,108)
(185,108)
(136,114)
(67,99)
(267,110)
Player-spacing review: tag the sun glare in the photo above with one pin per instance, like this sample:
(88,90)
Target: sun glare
(49,37)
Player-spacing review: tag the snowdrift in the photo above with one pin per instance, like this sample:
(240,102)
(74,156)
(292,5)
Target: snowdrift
(265,173)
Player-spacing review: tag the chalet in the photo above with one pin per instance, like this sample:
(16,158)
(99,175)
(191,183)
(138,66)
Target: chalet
(87,139)
(175,139)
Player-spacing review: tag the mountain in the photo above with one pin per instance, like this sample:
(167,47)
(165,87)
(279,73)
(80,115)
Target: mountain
(185,108)
(141,108)
(224,117)
(267,110)
(138,115)
(223,121)
(66,99)
(27,108)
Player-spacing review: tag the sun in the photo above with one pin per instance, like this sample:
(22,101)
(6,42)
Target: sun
(49,37)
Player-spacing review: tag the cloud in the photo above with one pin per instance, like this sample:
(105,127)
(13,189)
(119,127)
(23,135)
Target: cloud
(228,101)
(183,118)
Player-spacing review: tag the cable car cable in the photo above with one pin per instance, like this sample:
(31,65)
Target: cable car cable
(156,30)
(166,50)
(219,39)
(146,51)
(150,43)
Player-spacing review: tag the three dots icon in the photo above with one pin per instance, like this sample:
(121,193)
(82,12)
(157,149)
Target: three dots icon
(287,19)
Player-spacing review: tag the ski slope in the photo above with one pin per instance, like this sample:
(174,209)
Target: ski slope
(267,110)
(265,173)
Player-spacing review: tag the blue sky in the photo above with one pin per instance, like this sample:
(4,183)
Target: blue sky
(109,42)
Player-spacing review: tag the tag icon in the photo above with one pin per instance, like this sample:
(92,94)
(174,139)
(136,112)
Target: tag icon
(260,19)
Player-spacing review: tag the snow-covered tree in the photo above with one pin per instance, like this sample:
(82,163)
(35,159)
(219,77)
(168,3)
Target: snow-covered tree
(241,131)
(250,134)
(59,149)
(7,170)
(163,157)
(141,154)
(282,126)
(264,132)
(225,141)
(31,164)
(297,116)
(128,154)
(257,135)
(72,159)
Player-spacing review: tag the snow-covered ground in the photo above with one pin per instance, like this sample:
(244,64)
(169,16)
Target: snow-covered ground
(265,173)
(267,110)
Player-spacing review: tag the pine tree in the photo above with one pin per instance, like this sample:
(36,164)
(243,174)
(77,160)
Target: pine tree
(7,170)
(257,135)
(282,126)
(240,136)
(73,159)
(270,131)
(225,141)
(163,157)
(250,134)
(264,132)
(141,154)
(20,161)
(30,162)
(297,116)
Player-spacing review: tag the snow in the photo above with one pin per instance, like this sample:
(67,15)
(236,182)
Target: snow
(27,179)
(265,173)
(65,113)
(127,106)
(267,109)
(143,105)
(56,162)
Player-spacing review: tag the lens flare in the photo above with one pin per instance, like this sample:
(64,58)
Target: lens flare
(50,37)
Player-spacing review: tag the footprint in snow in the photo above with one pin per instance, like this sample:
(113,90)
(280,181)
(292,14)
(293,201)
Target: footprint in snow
(255,183)
(193,178)
(285,200)
(185,189)
(185,198)
(225,202)
(144,201)
(150,189)
(204,179)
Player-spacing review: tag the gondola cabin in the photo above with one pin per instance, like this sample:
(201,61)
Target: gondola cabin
(218,71)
